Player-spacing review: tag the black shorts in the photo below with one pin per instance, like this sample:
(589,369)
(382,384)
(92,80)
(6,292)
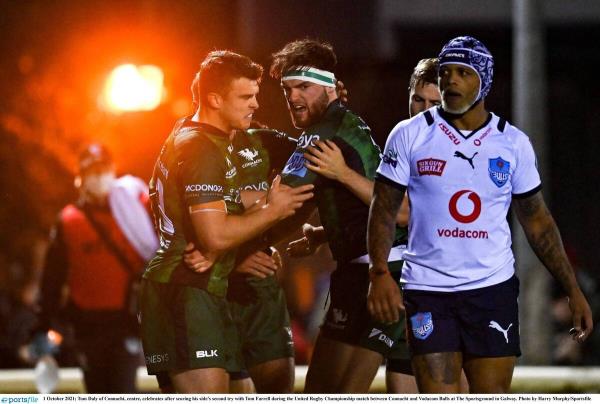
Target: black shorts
(479,322)
(348,319)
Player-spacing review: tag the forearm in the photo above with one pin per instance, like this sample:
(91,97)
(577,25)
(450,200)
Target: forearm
(224,232)
(382,222)
(360,186)
(363,188)
(544,238)
(253,200)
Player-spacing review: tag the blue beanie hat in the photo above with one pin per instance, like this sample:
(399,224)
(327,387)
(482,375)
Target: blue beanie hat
(468,51)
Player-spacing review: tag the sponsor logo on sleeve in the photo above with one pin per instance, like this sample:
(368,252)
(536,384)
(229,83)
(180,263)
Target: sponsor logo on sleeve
(431,166)
(499,170)
(391,158)
(295,165)
(422,325)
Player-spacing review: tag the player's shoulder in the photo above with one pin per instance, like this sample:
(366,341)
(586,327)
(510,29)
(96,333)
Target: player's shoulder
(353,121)
(510,131)
(416,125)
(194,137)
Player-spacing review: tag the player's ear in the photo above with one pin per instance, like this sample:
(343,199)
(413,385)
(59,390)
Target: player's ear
(214,100)
(331,93)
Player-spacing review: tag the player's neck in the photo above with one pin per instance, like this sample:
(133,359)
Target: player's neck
(212,118)
(470,120)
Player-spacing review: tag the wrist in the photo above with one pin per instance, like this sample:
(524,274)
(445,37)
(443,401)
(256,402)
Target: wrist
(345,176)
(378,271)
(273,213)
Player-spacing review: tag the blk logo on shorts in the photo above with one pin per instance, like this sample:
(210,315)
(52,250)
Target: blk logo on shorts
(422,325)
(207,354)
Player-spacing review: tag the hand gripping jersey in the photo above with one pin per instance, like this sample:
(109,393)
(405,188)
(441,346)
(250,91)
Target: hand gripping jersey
(343,215)
(195,166)
(460,186)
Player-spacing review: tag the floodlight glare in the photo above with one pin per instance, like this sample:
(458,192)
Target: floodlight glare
(133,88)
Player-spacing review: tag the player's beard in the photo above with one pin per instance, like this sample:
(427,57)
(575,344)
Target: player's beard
(314,113)
(459,110)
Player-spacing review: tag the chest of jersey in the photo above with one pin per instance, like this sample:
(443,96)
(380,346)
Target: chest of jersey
(447,167)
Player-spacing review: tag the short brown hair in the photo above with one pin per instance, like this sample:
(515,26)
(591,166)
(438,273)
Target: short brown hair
(426,72)
(303,52)
(220,68)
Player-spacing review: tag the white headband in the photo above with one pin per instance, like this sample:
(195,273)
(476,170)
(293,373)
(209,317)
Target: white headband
(312,74)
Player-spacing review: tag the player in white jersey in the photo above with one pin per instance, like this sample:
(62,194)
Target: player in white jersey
(463,167)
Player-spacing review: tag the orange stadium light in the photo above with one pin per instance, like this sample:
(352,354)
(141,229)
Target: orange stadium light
(133,88)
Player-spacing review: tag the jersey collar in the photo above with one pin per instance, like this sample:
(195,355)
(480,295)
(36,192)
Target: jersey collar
(205,127)
(446,117)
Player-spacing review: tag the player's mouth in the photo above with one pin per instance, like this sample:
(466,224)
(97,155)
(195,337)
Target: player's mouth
(298,109)
(450,95)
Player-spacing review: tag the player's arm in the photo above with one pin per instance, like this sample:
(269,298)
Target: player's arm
(384,299)
(544,238)
(253,200)
(217,231)
(327,160)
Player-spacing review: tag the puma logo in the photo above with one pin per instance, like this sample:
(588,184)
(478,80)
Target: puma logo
(496,326)
(462,156)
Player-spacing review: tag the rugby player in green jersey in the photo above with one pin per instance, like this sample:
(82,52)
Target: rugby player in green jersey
(187,329)
(256,299)
(350,346)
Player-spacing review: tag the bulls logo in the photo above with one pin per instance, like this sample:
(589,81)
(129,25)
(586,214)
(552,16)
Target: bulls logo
(499,170)
(422,325)
(465,218)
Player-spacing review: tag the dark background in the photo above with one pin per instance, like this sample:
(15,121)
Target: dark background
(56,54)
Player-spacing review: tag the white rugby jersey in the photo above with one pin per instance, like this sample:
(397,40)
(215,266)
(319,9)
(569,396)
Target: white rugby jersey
(460,188)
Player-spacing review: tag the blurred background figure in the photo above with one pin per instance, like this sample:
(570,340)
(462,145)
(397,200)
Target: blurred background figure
(98,248)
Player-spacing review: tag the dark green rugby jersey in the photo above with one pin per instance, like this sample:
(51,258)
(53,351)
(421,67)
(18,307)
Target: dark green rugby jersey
(259,152)
(252,162)
(195,166)
(343,215)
